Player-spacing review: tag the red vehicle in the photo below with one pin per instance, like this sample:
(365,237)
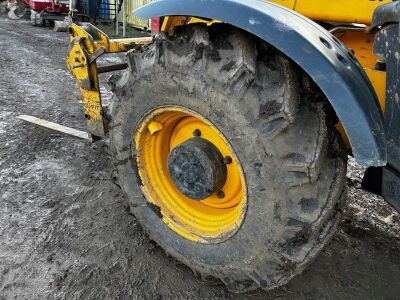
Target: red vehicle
(48,10)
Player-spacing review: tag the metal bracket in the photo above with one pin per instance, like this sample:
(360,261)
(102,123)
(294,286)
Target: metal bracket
(87,44)
(96,54)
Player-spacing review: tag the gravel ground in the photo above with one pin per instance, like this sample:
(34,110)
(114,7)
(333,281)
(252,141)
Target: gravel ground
(64,229)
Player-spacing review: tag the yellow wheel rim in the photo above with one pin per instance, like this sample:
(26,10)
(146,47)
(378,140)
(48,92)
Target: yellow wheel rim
(211,220)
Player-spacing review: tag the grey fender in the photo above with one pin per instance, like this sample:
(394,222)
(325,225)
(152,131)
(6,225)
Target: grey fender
(329,63)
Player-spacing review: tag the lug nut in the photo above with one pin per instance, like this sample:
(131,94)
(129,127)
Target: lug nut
(197,132)
(227,160)
(220,194)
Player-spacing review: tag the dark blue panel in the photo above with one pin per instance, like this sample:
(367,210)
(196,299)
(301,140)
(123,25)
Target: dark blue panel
(324,58)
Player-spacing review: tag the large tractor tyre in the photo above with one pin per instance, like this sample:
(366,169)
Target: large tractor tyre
(36,18)
(228,155)
(33,17)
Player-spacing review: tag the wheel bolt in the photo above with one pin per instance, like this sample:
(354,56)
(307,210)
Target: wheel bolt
(220,194)
(227,160)
(197,132)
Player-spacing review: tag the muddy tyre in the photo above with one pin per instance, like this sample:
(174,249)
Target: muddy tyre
(33,17)
(36,18)
(280,130)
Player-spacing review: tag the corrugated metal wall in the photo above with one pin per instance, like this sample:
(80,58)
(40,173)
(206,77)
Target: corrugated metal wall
(133,20)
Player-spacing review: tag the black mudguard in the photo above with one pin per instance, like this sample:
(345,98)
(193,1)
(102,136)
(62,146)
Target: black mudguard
(329,63)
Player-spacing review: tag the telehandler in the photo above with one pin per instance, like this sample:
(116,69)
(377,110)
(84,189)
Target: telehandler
(230,128)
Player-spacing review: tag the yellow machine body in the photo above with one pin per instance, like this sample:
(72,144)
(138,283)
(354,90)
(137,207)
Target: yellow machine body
(340,11)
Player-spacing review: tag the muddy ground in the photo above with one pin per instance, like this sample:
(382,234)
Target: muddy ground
(64,231)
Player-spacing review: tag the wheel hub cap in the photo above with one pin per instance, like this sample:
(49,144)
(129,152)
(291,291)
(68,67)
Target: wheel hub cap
(197,168)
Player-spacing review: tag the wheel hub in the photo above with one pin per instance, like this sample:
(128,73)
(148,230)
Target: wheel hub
(197,168)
